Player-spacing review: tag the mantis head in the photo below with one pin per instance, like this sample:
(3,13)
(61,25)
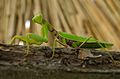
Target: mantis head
(37,19)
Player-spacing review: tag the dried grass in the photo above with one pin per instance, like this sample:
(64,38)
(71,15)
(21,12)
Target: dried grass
(99,18)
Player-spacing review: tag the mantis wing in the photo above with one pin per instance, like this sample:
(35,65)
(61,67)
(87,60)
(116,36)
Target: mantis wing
(91,43)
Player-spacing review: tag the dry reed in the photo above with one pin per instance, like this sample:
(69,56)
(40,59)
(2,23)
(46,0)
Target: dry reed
(99,18)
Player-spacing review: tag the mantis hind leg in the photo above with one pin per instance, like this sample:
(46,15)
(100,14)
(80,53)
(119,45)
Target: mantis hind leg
(106,52)
(99,45)
(85,41)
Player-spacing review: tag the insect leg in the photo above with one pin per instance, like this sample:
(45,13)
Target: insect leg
(62,43)
(28,47)
(13,39)
(53,49)
(106,50)
(85,41)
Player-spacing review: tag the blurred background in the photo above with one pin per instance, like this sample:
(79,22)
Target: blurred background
(99,18)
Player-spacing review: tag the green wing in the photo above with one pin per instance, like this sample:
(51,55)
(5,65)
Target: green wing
(91,43)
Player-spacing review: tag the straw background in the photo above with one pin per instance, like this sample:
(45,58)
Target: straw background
(99,18)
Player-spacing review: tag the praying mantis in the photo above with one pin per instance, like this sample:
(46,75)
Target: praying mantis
(63,38)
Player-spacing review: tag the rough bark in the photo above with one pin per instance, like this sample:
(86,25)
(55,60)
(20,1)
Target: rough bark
(66,63)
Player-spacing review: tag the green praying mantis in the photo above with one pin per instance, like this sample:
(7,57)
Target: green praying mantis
(63,38)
